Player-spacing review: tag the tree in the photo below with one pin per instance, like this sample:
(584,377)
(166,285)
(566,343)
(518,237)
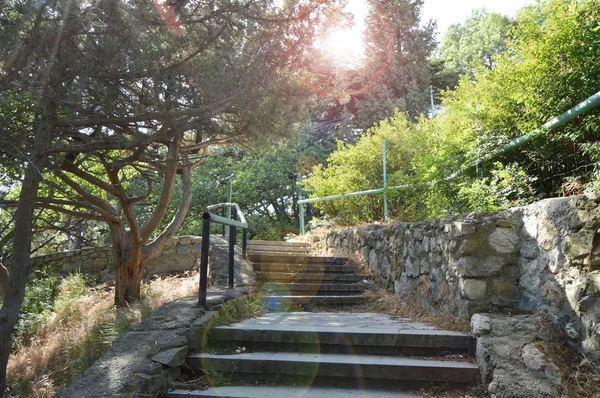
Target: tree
(263,181)
(97,93)
(480,39)
(396,74)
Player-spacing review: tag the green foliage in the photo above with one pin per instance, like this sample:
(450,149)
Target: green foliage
(244,307)
(37,305)
(359,167)
(507,186)
(263,182)
(478,40)
(451,163)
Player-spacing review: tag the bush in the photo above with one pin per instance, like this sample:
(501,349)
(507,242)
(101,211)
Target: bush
(38,303)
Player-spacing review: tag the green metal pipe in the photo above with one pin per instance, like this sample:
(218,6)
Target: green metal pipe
(558,121)
(300,205)
(385,199)
(343,195)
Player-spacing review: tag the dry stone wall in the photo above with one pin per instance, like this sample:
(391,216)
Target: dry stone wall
(181,254)
(543,258)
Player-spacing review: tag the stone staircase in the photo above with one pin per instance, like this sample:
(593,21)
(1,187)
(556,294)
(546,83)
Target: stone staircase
(306,354)
(288,277)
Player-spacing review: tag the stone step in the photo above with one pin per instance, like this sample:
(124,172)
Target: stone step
(285,302)
(306,268)
(313,288)
(334,333)
(287,277)
(343,368)
(292,259)
(285,391)
(252,243)
(277,250)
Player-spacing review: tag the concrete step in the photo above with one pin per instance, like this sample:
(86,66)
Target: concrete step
(275,251)
(252,243)
(292,259)
(313,289)
(306,268)
(285,391)
(368,334)
(285,302)
(287,277)
(341,367)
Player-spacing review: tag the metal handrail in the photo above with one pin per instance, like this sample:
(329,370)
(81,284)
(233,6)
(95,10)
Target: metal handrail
(556,122)
(209,217)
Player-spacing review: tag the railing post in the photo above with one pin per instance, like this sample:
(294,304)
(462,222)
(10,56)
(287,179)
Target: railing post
(385,198)
(204,259)
(232,239)
(244,241)
(223,215)
(300,205)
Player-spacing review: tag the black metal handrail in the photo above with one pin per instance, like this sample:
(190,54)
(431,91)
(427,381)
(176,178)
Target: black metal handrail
(209,217)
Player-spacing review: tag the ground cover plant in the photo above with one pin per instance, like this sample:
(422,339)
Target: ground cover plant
(76,326)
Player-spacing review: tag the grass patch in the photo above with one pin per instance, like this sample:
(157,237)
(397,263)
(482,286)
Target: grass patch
(238,309)
(581,378)
(80,326)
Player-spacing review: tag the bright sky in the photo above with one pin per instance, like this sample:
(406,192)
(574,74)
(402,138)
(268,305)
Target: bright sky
(343,44)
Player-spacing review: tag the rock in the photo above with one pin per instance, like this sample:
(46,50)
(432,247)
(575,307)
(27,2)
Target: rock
(480,325)
(150,383)
(571,330)
(461,229)
(547,234)
(578,245)
(504,240)
(473,289)
(172,357)
(478,267)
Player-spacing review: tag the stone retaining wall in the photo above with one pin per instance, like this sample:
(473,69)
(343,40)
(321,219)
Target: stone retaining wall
(543,258)
(181,254)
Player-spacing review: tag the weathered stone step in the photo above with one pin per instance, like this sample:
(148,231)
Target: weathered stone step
(285,302)
(259,243)
(276,252)
(285,391)
(268,365)
(314,288)
(305,268)
(287,277)
(292,259)
(313,335)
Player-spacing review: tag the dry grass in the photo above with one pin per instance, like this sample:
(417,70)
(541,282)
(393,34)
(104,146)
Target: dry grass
(81,329)
(581,378)
(385,302)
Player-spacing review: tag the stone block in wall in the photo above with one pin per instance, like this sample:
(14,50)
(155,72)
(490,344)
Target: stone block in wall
(504,241)
(470,266)
(473,289)
(185,240)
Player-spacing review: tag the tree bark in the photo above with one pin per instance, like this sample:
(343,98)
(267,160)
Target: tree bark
(23,233)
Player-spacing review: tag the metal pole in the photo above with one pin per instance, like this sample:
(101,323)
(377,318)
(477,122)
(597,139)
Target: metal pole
(204,259)
(244,241)
(432,105)
(232,239)
(229,197)
(385,200)
(300,205)
(223,225)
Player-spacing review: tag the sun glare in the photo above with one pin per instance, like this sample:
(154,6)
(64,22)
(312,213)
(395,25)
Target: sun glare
(343,46)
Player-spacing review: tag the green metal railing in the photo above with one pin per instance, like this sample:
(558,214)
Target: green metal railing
(234,210)
(556,122)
